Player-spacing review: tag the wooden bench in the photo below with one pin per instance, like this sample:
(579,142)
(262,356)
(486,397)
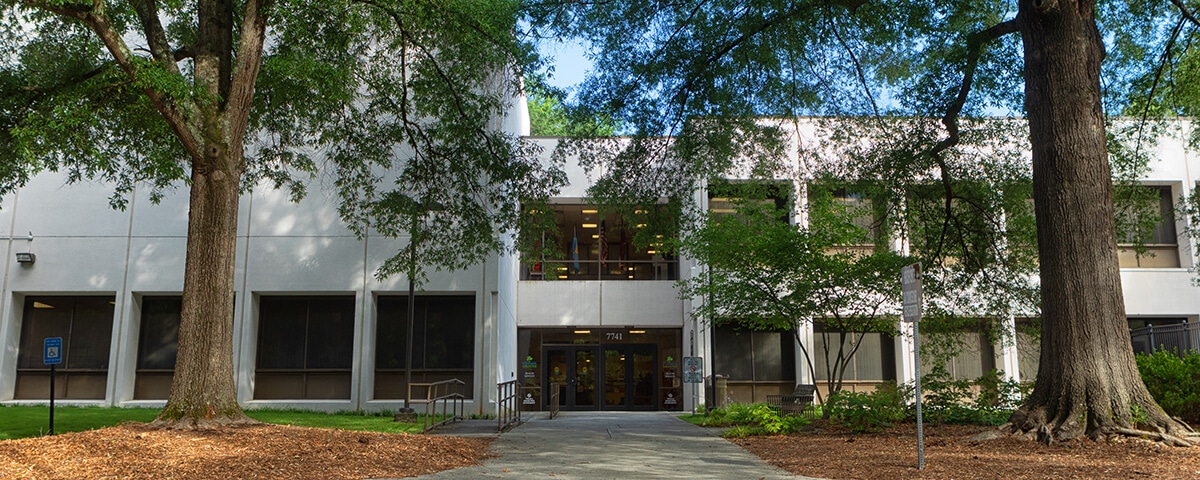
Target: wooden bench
(800,400)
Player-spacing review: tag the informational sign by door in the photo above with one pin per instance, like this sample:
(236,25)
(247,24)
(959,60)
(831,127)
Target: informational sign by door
(693,369)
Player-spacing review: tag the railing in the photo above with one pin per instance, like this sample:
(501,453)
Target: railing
(508,405)
(554,393)
(1178,338)
(448,395)
(611,270)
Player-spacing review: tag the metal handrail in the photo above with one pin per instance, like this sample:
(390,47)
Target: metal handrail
(554,394)
(593,270)
(508,414)
(452,403)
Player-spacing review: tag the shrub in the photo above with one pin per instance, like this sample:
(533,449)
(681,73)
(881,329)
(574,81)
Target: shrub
(753,419)
(868,411)
(1174,382)
(988,400)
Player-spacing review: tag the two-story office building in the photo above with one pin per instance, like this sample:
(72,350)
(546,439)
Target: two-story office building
(315,329)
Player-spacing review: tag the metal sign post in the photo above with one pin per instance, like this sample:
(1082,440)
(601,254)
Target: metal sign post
(52,356)
(910,290)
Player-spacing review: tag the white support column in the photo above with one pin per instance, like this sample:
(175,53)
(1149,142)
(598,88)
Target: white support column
(1007,356)
(906,368)
(804,330)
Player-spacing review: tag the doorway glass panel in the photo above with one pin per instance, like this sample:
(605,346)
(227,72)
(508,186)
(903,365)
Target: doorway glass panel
(585,378)
(643,379)
(592,377)
(556,361)
(614,377)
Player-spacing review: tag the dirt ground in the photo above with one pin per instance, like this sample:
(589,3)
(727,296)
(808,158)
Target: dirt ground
(270,451)
(133,451)
(834,453)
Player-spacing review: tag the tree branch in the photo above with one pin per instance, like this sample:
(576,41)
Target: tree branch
(975,44)
(245,74)
(156,37)
(1189,15)
(99,23)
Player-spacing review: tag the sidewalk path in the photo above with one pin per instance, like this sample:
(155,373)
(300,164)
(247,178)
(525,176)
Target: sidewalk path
(616,445)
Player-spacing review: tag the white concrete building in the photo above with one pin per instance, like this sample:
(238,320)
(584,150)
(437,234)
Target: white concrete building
(315,329)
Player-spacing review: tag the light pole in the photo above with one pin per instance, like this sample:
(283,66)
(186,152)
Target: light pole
(412,308)
(419,209)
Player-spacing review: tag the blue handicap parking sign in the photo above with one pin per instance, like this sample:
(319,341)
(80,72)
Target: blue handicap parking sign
(53,352)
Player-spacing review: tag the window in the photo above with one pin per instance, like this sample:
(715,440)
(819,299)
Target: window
(305,347)
(158,344)
(875,360)
(968,355)
(859,207)
(590,244)
(835,207)
(754,356)
(85,325)
(443,342)
(1160,245)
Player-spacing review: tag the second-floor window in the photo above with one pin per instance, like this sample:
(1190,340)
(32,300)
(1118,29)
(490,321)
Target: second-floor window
(1146,229)
(588,243)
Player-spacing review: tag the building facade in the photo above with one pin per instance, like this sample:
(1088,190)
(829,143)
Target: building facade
(602,324)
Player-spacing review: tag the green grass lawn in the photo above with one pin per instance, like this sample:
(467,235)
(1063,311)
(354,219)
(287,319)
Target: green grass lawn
(20,421)
(23,421)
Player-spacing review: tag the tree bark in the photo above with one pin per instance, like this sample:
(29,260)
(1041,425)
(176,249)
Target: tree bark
(1088,382)
(203,393)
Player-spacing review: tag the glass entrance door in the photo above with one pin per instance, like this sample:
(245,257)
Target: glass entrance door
(574,369)
(615,377)
(629,377)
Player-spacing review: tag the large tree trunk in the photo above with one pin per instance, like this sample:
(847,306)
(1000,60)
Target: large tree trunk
(1088,382)
(203,392)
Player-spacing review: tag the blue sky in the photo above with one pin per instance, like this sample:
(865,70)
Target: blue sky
(570,63)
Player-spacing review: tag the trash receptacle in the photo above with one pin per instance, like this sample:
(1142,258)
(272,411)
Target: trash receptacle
(721,390)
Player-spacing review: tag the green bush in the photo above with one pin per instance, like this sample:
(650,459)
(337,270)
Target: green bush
(1174,382)
(868,411)
(753,419)
(988,400)
(945,400)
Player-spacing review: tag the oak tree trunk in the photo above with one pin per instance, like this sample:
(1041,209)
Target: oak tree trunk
(203,392)
(1087,382)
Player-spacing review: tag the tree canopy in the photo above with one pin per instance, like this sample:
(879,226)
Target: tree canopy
(762,272)
(402,103)
(729,81)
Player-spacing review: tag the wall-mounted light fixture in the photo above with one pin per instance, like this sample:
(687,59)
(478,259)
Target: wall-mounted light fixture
(26,257)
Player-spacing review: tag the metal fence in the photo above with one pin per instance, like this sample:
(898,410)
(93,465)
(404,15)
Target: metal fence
(1179,338)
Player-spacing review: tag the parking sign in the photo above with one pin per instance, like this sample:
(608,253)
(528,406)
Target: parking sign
(52,355)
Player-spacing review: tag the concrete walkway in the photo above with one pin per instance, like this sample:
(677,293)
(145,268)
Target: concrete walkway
(602,445)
